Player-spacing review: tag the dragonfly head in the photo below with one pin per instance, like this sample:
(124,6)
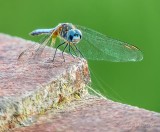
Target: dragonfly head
(74,36)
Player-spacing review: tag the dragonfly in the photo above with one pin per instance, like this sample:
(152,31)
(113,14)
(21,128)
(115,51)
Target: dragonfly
(86,42)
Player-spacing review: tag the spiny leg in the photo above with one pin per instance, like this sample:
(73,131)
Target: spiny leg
(74,51)
(71,52)
(63,51)
(56,50)
(78,50)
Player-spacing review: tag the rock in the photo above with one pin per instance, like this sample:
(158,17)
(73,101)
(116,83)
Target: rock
(38,95)
(96,115)
(32,85)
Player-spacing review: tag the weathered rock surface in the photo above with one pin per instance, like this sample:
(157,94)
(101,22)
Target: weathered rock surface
(48,97)
(32,84)
(97,115)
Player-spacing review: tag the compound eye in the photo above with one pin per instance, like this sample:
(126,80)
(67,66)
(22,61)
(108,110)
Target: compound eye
(76,35)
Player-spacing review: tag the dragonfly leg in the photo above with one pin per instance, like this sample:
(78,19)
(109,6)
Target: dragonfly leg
(63,51)
(71,52)
(78,50)
(56,50)
(74,50)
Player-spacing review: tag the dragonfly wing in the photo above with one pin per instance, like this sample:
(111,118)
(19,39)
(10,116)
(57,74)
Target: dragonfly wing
(46,42)
(35,50)
(101,47)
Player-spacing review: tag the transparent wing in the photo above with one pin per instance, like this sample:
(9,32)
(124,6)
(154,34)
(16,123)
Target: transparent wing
(41,47)
(100,47)
(35,50)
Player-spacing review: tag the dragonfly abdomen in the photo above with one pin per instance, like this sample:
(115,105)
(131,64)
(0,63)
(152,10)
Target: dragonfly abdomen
(41,31)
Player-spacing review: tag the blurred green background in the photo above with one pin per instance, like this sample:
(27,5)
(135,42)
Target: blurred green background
(134,21)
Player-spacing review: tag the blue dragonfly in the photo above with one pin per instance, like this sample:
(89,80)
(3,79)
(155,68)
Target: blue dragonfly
(94,45)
